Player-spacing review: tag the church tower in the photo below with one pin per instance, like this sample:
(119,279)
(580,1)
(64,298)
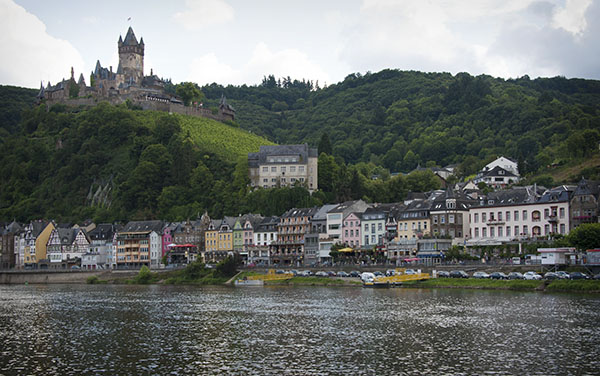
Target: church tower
(131,59)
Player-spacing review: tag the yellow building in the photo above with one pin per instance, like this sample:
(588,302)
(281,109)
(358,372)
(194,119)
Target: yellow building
(37,234)
(414,222)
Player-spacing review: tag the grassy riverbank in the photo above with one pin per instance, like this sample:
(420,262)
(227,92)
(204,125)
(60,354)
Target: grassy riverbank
(517,285)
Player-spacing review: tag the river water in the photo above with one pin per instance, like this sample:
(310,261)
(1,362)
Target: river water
(174,330)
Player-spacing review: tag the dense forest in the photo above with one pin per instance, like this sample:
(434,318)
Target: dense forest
(118,163)
(398,119)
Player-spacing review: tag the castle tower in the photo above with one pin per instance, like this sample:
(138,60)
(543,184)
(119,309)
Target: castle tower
(131,58)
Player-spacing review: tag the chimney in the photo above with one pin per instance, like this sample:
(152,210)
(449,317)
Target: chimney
(111,69)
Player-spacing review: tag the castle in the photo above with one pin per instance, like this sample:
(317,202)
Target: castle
(127,83)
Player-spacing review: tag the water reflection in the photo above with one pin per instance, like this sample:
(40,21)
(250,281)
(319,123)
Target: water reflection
(294,331)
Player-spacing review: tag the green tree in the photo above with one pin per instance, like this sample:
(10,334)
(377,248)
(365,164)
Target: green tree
(325,144)
(189,92)
(585,236)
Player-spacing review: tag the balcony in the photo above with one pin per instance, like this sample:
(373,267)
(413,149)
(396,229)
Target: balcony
(494,222)
(552,218)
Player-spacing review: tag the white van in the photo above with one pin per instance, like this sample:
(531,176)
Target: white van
(367,277)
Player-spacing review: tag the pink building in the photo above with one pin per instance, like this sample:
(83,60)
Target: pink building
(167,238)
(351,230)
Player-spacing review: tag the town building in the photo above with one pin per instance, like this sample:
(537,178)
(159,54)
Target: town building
(35,237)
(373,227)
(284,165)
(8,255)
(293,226)
(100,255)
(316,246)
(335,218)
(414,221)
(519,213)
(585,203)
(265,236)
(137,242)
(450,215)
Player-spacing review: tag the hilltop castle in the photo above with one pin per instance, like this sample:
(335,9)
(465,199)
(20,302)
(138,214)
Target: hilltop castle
(127,83)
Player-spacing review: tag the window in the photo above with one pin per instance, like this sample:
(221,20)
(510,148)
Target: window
(451,218)
(483,217)
(292,168)
(476,217)
(476,232)
(346,233)
(435,220)
(372,239)
(524,215)
(351,232)
(414,226)
(516,215)
(507,216)
(546,213)
(499,231)
(525,230)
(373,227)
(500,216)
(366,239)
(516,230)
(562,213)
(405,226)
(562,228)
(283,168)
(508,231)
(366,227)
(379,226)
(300,168)
(265,169)
(546,229)
(274,169)
(492,232)
(425,225)
(484,232)
(442,219)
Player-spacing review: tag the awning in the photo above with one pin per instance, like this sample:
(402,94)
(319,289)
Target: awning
(411,259)
(346,250)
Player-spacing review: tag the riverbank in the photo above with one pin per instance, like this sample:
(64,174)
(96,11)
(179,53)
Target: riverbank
(587,286)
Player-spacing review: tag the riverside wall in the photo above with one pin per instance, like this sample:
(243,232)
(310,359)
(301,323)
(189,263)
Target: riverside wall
(50,277)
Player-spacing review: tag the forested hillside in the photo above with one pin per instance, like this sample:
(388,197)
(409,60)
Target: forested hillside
(399,119)
(117,163)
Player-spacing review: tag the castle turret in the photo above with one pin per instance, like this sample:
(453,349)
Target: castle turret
(131,58)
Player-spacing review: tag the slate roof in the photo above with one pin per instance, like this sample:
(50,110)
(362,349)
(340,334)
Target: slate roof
(143,226)
(130,39)
(463,202)
(498,171)
(302,151)
(587,187)
(104,231)
(321,213)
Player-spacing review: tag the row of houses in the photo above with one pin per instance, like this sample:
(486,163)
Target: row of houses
(423,226)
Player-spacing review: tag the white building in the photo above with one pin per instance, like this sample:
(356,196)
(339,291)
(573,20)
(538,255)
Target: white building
(373,228)
(519,213)
(505,163)
(555,256)
(284,165)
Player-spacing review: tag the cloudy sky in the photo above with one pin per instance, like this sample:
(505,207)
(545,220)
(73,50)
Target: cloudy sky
(240,41)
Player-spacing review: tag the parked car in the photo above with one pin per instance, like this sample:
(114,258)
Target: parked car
(498,275)
(355,273)
(532,275)
(515,275)
(551,275)
(409,272)
(279,271)
(390,272)
(331,273)
(481,275)
(367,277)
(443,274)
(306,273)
(563,275)
(378,274)
(578,275)
(596,276)
(320,273)
(458,274)
(342,274)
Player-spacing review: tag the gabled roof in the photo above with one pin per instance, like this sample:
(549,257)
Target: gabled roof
(498,171)
(587,187)
(302,151)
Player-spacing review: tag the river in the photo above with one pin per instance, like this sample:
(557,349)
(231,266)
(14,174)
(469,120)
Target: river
(175,330)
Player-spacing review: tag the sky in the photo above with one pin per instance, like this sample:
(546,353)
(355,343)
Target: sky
(240,41)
